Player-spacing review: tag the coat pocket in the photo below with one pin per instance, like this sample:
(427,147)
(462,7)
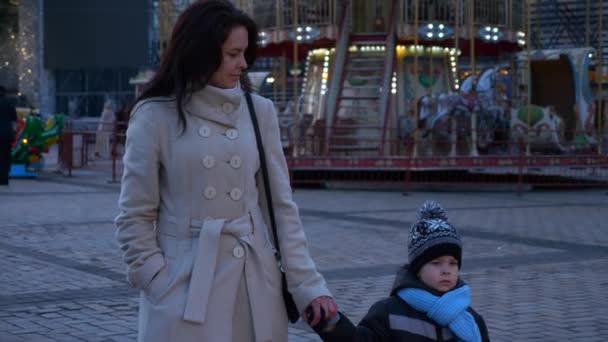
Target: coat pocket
(159,285)
(164,281)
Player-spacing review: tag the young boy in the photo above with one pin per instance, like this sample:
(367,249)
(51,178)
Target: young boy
(428,302)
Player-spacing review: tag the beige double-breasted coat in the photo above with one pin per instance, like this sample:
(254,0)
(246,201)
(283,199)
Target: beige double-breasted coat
(193,222)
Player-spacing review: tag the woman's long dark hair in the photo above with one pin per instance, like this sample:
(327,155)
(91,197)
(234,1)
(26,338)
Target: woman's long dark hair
(194,52)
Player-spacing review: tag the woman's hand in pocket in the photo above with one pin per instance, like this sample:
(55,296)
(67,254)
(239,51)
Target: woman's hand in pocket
(158,284)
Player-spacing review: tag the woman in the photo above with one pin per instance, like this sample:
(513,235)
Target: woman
(193,226)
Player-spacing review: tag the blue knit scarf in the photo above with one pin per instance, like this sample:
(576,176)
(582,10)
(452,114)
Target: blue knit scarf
(448,310)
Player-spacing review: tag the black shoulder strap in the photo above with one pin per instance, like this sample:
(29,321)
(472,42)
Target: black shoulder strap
(262,153)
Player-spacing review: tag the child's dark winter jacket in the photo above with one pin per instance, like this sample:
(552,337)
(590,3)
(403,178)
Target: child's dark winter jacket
(392,319)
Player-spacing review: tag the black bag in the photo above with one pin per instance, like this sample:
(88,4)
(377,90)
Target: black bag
(290,305)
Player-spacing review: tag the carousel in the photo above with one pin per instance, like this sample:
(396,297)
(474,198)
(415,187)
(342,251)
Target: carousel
(415,85)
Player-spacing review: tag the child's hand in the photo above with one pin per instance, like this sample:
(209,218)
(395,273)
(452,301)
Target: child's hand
(313,314)
(324,326)
(319,328)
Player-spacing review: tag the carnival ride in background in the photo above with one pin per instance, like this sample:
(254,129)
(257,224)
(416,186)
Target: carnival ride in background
(422,85)
(34,137)
(418,57)
(381,84)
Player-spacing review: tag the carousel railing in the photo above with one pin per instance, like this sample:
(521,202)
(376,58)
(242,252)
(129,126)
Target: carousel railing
(505,161)
(504,143)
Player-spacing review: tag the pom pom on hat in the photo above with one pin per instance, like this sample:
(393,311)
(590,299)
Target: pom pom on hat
(431,210)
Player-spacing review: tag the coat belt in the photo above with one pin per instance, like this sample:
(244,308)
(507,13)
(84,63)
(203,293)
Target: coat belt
(201,281)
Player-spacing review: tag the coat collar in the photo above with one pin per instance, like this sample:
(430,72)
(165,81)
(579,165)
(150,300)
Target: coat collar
(216,104)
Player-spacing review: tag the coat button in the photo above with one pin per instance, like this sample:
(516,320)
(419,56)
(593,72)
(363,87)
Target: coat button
(204,131)
(208,162)
(235,162)
(227,107)
(209,192)
(236,194)
(232,134)
(238,252)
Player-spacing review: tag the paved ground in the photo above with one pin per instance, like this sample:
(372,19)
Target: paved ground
(538,264)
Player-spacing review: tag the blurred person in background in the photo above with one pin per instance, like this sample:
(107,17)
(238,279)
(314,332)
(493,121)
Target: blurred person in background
(8,126)
(105,128)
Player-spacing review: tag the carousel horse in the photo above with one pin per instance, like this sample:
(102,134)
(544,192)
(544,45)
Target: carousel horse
(448,118)
(539,127)
(444,120)
(491,121)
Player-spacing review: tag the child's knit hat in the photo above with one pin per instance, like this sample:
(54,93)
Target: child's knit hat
(431,237)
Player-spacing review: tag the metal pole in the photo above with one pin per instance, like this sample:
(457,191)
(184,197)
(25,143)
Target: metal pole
(295,78)
(458,18)
(431,48)
(457,36)
(415,80)
(601,77)
(473,152)
(529,73)
(472,35)
(431,17)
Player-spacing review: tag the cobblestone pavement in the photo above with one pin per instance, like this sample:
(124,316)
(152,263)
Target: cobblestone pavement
(537,264)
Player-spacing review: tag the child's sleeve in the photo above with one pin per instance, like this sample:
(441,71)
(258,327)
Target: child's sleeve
(485,336)
(372,328)
(483,329)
